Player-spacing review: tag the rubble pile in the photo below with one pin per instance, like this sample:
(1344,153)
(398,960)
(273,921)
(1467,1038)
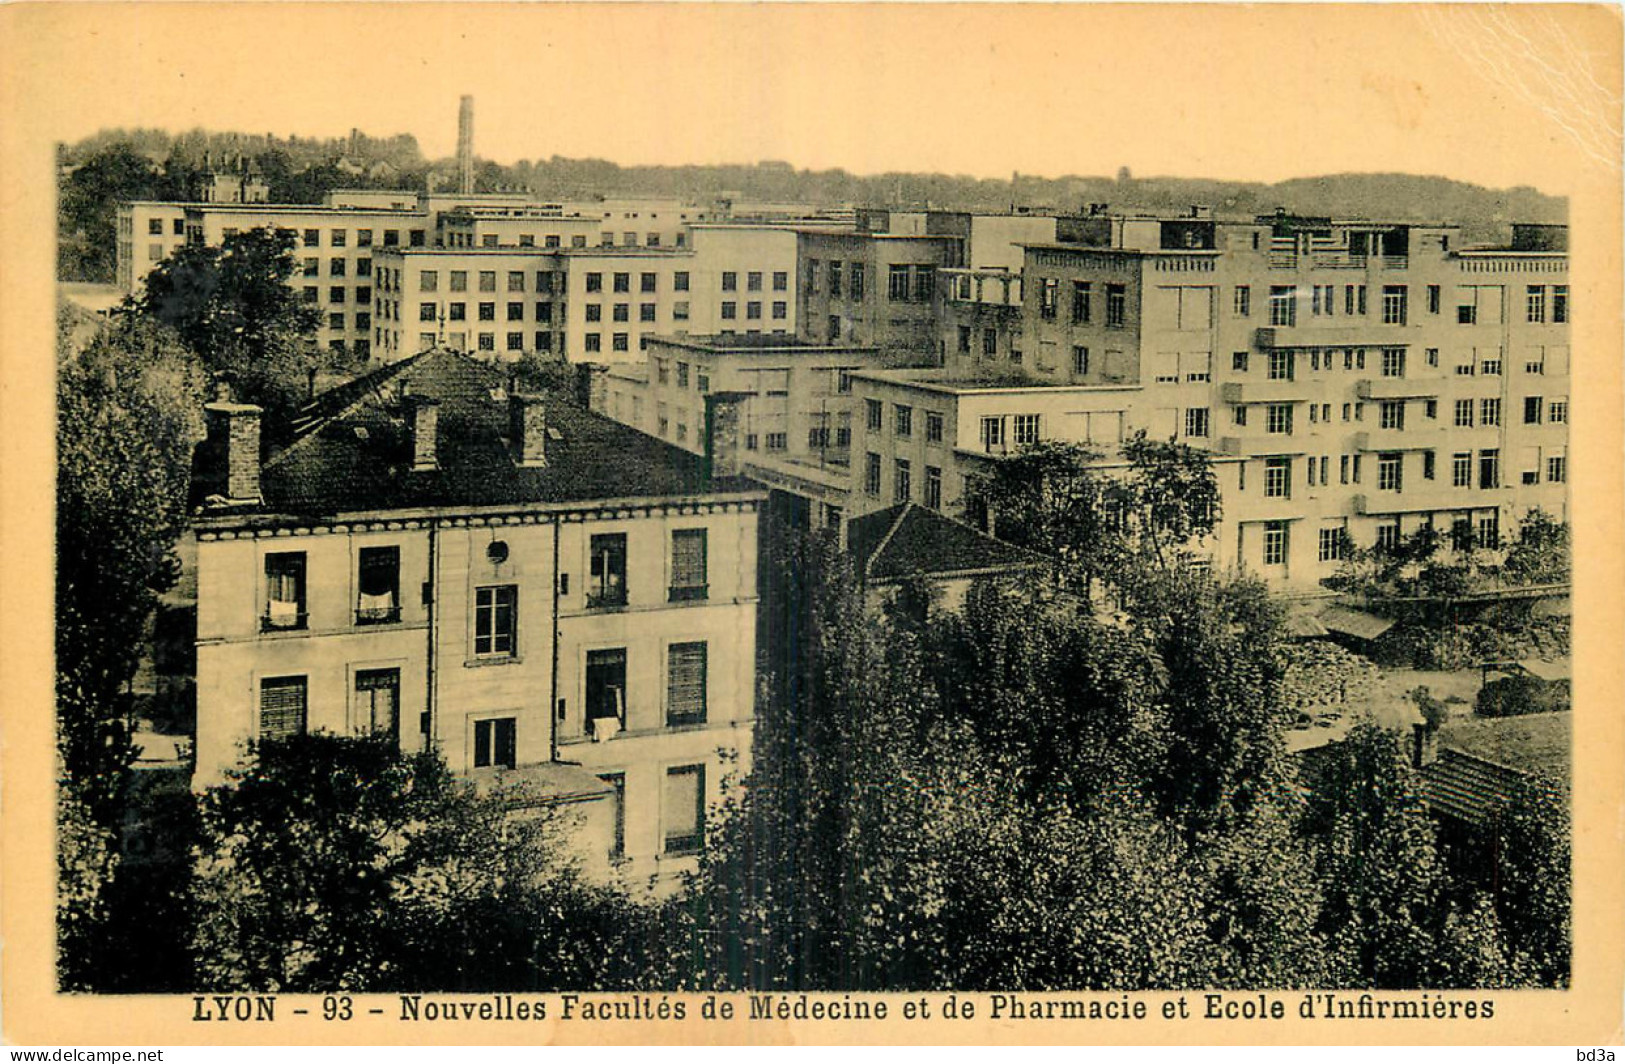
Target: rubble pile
(1321,674)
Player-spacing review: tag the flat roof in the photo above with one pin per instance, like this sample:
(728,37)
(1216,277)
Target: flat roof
(758,343)
(938,380)
(824,230)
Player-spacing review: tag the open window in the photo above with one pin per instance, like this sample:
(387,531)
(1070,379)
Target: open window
(284,591)
(606,692)
(379,585)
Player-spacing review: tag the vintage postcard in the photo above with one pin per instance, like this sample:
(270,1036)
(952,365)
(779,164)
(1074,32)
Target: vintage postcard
(893,523)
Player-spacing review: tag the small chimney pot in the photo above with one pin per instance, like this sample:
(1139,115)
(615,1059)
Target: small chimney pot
(235,430)
(527,429)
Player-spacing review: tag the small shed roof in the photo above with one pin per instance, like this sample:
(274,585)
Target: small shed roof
(1361,625)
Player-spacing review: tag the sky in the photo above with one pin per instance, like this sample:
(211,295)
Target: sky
(1497,96)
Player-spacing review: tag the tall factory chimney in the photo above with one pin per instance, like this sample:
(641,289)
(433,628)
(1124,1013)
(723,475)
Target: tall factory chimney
(465,145)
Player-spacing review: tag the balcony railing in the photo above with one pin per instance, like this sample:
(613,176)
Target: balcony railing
(606,598)
(378,615)
(276,620)
(689,593)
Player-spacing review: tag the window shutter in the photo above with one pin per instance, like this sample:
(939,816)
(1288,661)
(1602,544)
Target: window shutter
(685,683)
(282,707)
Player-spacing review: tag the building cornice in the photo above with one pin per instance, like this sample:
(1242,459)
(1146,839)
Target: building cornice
(263,525)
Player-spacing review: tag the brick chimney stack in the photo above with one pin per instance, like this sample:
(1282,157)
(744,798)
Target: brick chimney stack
(234,428)
(423,420)
(592,386)
(527,429)
(724,450)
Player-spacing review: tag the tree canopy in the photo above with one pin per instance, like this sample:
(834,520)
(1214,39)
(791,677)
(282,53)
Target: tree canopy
(339,863)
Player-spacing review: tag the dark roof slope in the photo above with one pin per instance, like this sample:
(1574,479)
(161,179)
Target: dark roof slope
(908,540)
(1482,762)
(354,450)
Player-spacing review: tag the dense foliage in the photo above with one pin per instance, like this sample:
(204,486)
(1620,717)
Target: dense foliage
(341,864)
(128,415)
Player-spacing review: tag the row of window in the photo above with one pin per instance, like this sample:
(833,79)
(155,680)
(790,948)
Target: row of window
(338,238)
(457,340)
(647,282)
(553,240)
(1024,431)
(1284,301)
(285,708)
(487,311)
(1049,299)
(1391,467)
(496,607)
(663,372)
(337,294)
(429,280)
(903,420)
(1334,542)
(903,481)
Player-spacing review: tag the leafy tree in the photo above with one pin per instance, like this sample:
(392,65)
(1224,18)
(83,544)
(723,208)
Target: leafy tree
(1220,647)
(1388,917)
(1104,524)
(342,864)
(1170,495)
(1049,497)
(1530,889)
(87,860)
(87,211)
(233,307)
(231,297)
(126,423)
(1540,554)
(1072,698)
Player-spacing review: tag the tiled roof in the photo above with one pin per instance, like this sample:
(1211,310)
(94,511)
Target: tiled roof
(354,449)
(1481,762)
(908,540)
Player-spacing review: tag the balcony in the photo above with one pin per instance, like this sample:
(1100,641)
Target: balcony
(1267,391)
(1424,496)
(1261,445)
(1398,388)
(378,615)
(689,593)
(609,598)
(1312,332)
(1335,260)
(1422,434)
(277,619)
(1251,506)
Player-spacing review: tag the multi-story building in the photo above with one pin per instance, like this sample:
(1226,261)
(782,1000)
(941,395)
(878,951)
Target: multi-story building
(481,300)
(337,240)
(872,289)
(148,232)
(1366,377)
(927,435)
(334,251)
(534,591)
(583,303)
(793,399)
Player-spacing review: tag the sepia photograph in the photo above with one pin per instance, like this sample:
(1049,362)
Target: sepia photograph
(1062,507)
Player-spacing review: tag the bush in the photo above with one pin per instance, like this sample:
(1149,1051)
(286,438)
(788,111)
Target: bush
(1515,696)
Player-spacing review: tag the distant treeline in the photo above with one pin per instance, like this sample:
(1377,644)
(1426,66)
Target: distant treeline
(132,164)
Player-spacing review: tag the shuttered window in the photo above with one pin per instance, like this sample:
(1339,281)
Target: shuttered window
(688,564)
(684,809)
(685,684)
(282,707)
